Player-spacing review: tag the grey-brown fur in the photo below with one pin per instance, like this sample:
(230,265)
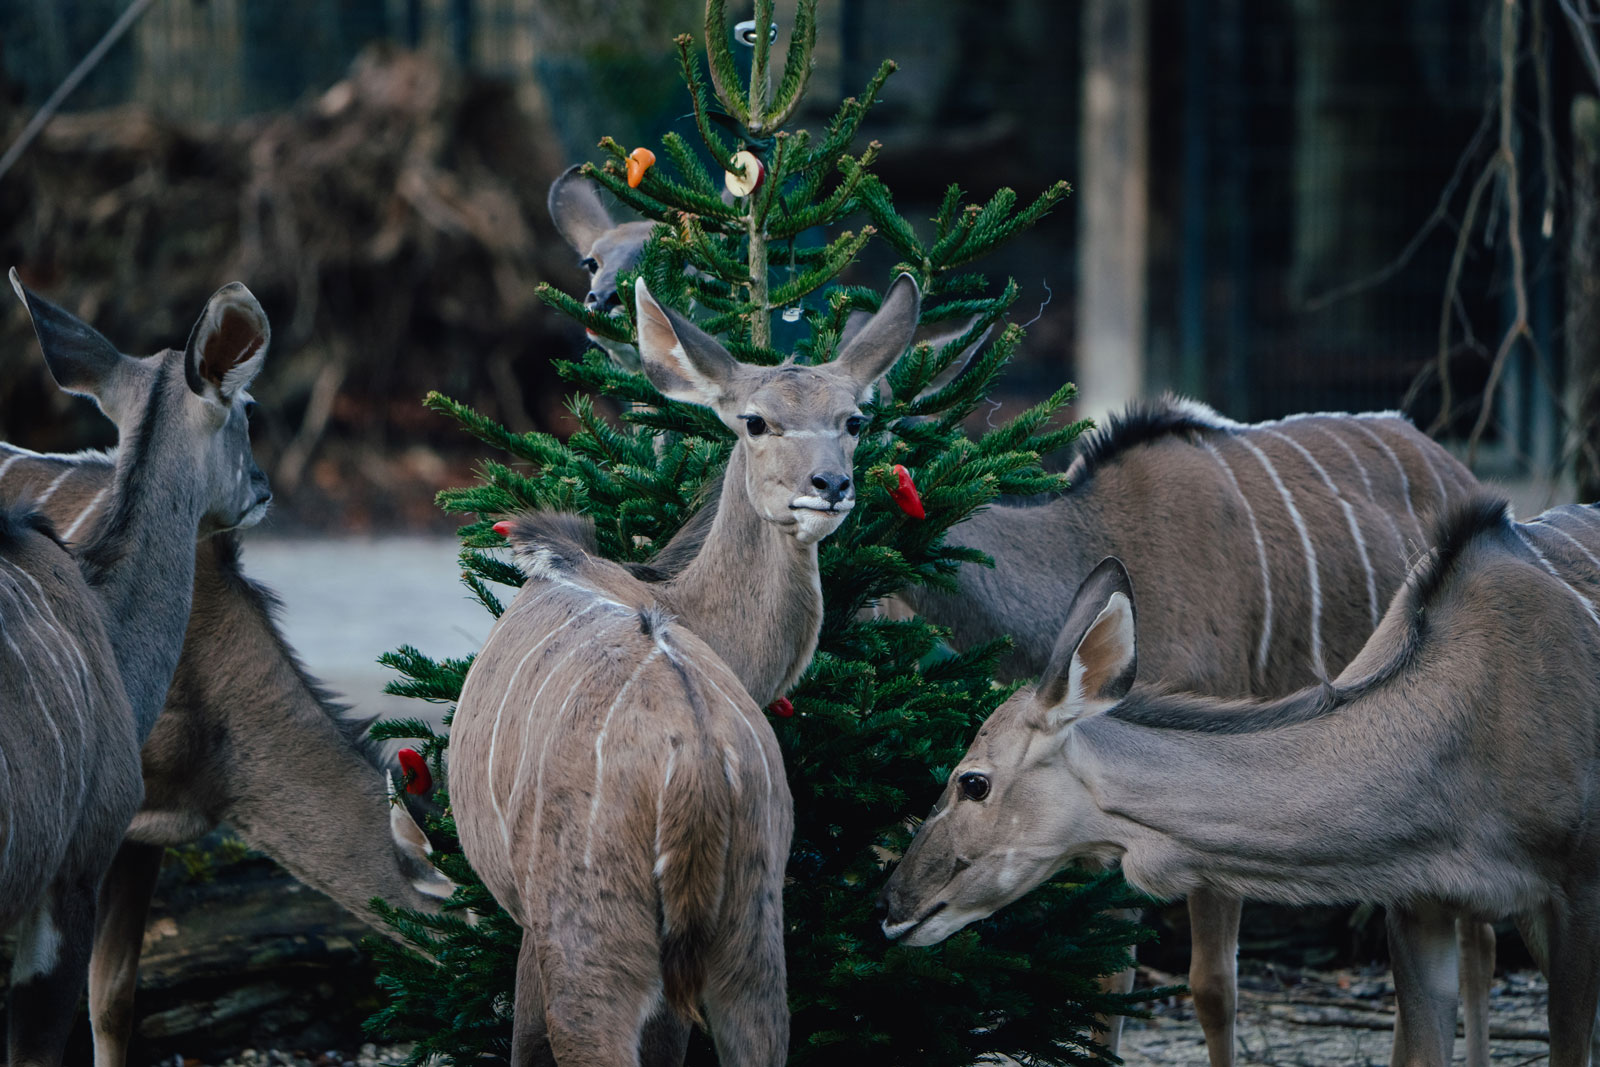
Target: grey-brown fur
(246,738)
(90,644)
(614,779)
(1464,735)
(1181,494)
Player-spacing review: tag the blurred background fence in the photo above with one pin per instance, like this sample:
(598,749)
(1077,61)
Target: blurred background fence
(1266,215)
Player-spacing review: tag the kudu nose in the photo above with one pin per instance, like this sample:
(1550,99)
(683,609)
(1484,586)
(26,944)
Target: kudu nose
(831,487)
(595,302)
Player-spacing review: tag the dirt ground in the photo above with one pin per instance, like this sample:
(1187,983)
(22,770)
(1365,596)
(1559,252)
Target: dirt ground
(1303,1018)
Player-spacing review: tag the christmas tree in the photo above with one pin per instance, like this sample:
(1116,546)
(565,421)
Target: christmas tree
(885,710)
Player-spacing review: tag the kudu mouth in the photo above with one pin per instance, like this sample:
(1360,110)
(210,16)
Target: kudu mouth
(895,931)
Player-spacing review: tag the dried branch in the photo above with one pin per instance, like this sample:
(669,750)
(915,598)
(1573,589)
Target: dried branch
(1507,163)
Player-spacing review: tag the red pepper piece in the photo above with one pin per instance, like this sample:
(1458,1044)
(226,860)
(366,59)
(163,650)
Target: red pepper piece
(503,527)
(781,708)
(418,780)
(905,494)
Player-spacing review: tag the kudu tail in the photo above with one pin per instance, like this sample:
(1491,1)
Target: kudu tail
(693,839)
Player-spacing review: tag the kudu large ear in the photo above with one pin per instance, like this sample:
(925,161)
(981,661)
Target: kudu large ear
(576,209)
(413,848)
(228,344)
(80,359)
(682,360)
(937,335)
(1095,658)
(882,339)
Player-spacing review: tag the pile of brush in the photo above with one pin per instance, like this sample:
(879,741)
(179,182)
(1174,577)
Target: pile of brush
(393,228)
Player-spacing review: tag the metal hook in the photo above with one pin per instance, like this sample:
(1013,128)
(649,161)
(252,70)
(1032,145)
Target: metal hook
(745,33)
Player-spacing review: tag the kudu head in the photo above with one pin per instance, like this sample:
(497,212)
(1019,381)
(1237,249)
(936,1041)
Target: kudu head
(796,426)
(1013,813)
(204,387)
(605,247)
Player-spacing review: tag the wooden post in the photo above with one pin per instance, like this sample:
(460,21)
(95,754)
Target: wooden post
(1583,295)
(1113,204)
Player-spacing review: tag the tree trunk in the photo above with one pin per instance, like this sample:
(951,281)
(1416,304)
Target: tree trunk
(1583,294)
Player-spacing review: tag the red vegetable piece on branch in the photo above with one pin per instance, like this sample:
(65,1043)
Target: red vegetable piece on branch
(503,527)
(781,708)
(905,494)
(418,780)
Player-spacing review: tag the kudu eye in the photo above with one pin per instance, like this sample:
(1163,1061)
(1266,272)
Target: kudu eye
(853,425)
(974,785)
(755,424)
(590,264)
(250,409)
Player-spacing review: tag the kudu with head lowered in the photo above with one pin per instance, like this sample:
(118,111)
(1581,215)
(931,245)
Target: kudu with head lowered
(247,738)
(90,644)
(1449,769)
(1266,553)
(614,780)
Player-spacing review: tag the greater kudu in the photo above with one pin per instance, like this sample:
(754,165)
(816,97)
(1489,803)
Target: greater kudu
(614,781)
(1267,550)
(91,648)
(247,738)
(1448,769)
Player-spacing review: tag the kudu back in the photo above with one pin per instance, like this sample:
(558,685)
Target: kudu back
(614,779)
(1267,553)
(1448,770)
(92,638)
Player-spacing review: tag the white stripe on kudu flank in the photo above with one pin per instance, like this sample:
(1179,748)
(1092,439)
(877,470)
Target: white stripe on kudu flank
(1317,665)
(1588,605)
(600,754)
(1548,522)
(1261,557)
(1399,468)
(494,733)
(761,750)
(85,513)
(1349,518)
(55,484)
(1372,494)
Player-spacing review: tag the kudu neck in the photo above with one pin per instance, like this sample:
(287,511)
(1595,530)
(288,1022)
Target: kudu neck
(1041,553)
(753,593)
(1323,811)
(140,560)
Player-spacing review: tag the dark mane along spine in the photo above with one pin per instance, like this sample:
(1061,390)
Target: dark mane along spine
(1455,530)
(1141,423)
(18,518)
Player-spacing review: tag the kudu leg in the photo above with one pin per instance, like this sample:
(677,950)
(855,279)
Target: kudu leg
(530,1044)
(1476,941)
(48,973)
(665,1040)
(1214,969)
(1422,949)
(118,939)
(1574,980)
(747,1008)
(1121,982)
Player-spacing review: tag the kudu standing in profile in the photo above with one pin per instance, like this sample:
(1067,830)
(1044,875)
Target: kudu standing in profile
(91,644)
(614,780)
(1267,553)
(1449,769)
(247,738)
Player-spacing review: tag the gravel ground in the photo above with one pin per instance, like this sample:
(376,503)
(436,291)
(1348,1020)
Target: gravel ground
(1293,1018)
(367,1056)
